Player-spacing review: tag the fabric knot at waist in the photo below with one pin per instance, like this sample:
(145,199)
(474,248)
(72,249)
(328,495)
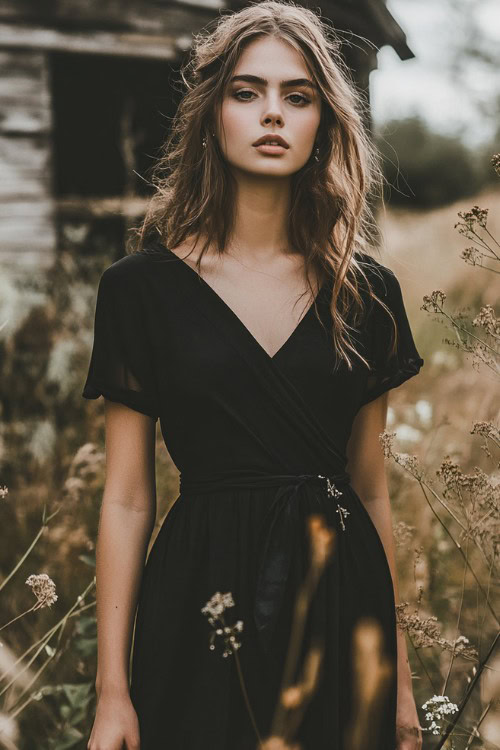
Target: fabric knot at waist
(281,519)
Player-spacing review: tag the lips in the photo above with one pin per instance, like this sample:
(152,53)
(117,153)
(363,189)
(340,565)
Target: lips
(269,137)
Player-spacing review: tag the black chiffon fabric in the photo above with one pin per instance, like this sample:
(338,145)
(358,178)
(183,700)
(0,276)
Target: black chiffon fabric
(255,438)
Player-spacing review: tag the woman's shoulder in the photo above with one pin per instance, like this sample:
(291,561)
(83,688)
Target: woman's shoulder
(126,266)
(138,268)
(124,277)
(147,282)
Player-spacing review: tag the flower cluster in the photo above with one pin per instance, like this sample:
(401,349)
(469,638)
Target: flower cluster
(85,467)
(407,461)
(437,707)
(214,609)
(488,320)
(425,632)
(434,302)
(387,442)
(484,490)
(43,588)
(488,431)
(460,643)
(403,534)
(454,478)
(4,491)
(470,218)
(472,256)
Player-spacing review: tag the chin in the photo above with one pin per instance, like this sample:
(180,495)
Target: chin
(272,167)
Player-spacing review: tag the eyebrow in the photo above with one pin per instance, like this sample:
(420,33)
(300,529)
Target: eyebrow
(283,84)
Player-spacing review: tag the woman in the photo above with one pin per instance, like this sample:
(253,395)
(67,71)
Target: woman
(259,403)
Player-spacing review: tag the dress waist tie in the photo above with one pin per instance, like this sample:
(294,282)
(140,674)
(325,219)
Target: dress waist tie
(279,522)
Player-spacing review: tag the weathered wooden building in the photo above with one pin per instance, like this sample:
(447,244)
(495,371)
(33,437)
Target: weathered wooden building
(87,88)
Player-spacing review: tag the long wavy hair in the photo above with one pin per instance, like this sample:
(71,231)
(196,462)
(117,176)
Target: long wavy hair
(330,220)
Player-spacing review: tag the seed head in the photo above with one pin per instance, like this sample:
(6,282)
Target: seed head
(43,588)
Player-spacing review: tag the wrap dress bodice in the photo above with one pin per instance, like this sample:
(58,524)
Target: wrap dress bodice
(260,442)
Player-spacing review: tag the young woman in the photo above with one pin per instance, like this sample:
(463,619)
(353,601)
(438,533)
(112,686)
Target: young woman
(261,401)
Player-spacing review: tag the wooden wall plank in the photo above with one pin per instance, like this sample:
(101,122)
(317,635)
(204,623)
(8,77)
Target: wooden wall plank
(162,47)
(27,233)
(24,92)
(121,13)
(25,167)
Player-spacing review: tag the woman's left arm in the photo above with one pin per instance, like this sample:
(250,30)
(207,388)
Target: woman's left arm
(366,466)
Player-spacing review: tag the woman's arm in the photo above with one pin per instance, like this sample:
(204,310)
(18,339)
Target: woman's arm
(126,523)
(366,465)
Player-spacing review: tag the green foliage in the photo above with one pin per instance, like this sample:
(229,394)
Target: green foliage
(427,169)
(85,641)
(72,708)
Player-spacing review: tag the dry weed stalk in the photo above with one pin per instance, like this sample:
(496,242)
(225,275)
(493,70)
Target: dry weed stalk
(485,254)
(17,678)
(288,713)
(293,698)
(472,501)
(371,675)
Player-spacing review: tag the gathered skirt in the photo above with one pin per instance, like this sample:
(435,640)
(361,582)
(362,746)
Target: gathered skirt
(188,696)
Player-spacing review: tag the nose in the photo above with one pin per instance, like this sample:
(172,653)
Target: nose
(273,119)
(272,113)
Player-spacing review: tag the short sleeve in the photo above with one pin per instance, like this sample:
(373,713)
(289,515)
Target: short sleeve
(389,371)
(121,362)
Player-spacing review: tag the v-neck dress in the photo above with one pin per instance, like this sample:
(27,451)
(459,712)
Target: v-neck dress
(256,439)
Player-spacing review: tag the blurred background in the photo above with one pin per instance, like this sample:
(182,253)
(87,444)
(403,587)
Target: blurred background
(87,90)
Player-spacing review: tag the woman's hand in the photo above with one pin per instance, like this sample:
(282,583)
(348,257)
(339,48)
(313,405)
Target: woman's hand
(116,725)
(408,730)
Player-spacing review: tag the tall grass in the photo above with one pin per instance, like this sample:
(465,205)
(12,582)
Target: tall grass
(446,505)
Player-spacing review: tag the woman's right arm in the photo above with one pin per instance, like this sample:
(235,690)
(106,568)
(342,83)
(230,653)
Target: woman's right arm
(126,522)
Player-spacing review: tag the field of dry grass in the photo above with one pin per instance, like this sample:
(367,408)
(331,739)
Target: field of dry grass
(423,249)
(432,416)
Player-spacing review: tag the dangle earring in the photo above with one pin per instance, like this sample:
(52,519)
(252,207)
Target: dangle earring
(316,153)
(204,141)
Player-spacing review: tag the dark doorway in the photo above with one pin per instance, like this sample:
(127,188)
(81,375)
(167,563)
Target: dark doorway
(110,118)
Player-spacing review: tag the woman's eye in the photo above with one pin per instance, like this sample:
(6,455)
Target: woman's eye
(304,99)
(238,93)
(301,96)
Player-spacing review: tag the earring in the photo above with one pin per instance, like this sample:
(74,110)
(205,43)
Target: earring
(204,141)
(316,153)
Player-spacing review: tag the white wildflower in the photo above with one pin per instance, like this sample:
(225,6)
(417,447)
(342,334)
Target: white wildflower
(218,603)
(437,708)
(43,588)
(214,610)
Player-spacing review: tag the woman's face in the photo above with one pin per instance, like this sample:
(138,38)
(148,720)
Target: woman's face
(253,108)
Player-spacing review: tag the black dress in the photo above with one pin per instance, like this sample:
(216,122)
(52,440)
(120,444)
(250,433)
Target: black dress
(250,434)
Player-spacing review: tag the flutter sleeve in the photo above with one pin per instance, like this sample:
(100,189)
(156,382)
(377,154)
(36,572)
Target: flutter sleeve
(121,363)
(389,371)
